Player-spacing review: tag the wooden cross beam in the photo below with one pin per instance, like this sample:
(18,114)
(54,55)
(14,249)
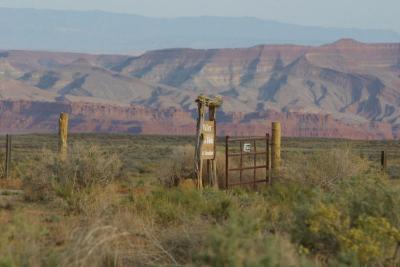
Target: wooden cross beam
(209,102)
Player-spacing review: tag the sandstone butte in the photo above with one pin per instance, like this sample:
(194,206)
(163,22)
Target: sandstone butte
(346,89)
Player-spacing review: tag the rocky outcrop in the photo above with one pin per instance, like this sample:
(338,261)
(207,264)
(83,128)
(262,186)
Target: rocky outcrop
(42,117)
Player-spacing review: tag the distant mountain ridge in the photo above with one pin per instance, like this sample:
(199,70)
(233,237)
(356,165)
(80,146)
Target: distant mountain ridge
(102,32)
(344,89)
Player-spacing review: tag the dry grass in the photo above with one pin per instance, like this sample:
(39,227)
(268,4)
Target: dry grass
(324,169)
(177,167)
(86,167)
(81,213)
(2,166)
(127,241)
(120,233)
(11,184)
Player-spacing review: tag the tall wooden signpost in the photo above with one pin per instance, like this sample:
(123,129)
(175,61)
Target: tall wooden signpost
(206,140)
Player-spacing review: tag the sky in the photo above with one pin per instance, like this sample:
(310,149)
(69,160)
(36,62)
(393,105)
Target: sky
(376,14)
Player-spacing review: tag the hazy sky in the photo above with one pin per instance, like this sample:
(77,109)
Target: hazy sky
(341,13)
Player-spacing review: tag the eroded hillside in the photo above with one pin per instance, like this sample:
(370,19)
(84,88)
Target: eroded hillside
(344,89)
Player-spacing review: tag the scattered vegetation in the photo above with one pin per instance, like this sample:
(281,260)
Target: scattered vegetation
(326,169)
(331,208)
(177,167)
(85,168)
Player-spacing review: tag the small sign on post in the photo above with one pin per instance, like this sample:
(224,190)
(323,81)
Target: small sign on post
(208,140)
(247,148)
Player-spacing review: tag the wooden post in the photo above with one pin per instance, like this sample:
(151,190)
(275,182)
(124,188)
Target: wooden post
(267,160)
(210,153)
(198,160)
(212,164)
(8,156)
(255,164)
(226,162)
(383,161)
(63,136)
(276,148)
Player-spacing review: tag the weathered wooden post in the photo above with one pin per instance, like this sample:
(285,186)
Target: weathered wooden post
(197,157)
(8,156)
(205,142)
(276,148)
(267,159)
(63,136)
(383,161)
(211,163)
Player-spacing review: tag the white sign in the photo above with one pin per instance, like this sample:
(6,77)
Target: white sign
(208,134)
(247,147)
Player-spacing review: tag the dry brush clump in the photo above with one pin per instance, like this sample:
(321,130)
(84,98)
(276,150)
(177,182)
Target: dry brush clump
(127,240)
(85,167)
(324,169)
(139,232)
(179,166)
(2,166)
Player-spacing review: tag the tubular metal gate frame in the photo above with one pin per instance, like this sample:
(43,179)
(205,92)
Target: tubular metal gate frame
(265,152)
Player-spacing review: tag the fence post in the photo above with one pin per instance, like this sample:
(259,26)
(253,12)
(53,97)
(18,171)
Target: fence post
(8,156)
(227,162)
(276,148)
(267,160)
(198,156)
(62,136)
(383,161)
(212,164)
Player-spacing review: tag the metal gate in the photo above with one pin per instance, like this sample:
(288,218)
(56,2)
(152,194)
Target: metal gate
(251,156)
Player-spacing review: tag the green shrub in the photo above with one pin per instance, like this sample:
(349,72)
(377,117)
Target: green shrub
(358,223)
(373,240)
(370,195)
(20,242)
(243,242)
(319,227)
(176,206)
